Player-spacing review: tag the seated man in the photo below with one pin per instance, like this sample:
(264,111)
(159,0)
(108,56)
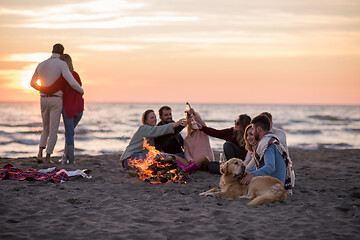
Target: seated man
(169,143)
(270,155)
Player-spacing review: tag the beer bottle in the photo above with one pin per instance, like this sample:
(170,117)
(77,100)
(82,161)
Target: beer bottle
(190,116)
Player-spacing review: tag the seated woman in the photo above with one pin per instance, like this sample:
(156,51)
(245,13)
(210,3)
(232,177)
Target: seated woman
(234,137)
(149,130)
(197,149)
(250,145)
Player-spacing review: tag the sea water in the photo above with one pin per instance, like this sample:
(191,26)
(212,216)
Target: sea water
(108,127)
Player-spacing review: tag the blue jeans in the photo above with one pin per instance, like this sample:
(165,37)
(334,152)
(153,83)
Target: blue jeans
(70,124)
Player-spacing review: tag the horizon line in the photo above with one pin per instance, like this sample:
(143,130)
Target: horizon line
(215,103)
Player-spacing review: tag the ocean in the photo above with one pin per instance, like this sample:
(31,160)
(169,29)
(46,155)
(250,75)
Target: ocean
(107,128)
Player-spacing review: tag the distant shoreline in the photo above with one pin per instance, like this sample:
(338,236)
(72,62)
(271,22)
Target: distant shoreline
(307,127)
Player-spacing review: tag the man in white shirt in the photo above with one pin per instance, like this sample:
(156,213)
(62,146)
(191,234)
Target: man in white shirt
(48,72)
(278,132)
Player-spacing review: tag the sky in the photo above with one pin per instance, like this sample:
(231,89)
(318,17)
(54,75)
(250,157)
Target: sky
(204,51)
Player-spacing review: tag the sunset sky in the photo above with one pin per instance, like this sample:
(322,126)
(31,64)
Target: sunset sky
(204,51)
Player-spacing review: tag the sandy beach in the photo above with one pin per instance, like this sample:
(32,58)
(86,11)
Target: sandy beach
(114,205)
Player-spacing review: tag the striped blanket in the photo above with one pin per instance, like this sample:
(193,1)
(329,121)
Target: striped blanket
(55,174)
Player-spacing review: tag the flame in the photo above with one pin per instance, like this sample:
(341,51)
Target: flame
(38,82)
(154,167)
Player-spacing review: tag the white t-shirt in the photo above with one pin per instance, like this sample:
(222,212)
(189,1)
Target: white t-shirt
(282,137)
(51,69)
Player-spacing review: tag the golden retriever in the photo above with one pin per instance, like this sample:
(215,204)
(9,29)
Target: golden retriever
(260,190)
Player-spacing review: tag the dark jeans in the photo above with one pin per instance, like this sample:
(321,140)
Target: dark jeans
(231,150)
(214,167)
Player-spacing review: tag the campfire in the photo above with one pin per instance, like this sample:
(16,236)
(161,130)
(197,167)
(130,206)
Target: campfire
(155,168)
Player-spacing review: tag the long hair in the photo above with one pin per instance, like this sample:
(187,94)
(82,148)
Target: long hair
(248,146)
(66,58)
(243,121)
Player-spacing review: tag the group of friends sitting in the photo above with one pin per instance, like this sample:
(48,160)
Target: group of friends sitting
(262,147)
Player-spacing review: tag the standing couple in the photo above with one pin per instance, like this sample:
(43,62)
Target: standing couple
(192,153)
(60,92)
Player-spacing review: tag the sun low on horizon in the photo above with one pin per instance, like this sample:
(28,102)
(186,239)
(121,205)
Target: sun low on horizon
(232,51)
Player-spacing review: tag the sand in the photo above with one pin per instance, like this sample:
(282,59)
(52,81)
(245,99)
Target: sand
(114,205)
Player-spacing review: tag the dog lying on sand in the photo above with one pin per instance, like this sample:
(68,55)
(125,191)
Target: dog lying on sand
(260,190)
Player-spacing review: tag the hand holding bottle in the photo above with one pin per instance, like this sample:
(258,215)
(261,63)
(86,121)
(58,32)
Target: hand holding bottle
(181,122)
(189,114)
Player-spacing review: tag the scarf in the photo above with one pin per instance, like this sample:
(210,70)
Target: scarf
(271,139)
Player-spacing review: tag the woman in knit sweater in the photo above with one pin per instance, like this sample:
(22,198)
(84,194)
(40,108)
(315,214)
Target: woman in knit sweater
(149,131)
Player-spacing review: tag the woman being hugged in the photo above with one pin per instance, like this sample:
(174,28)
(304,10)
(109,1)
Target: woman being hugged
(73,107)
(149,131)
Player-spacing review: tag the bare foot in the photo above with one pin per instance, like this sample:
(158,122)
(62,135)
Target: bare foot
(40,153)
(47,159)
(39,158)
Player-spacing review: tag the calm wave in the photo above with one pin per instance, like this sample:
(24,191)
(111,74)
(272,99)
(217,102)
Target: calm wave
(108,127)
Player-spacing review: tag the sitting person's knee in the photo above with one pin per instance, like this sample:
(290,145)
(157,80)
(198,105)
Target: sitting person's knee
(229,150)
(202,163)
(228,145)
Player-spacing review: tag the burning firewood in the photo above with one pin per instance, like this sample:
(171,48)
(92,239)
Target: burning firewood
(155,168)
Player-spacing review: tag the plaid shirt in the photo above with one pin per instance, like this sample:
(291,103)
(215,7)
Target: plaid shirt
(12,173)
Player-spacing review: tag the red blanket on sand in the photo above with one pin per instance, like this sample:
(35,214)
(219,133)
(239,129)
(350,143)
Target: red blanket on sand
(12,173)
